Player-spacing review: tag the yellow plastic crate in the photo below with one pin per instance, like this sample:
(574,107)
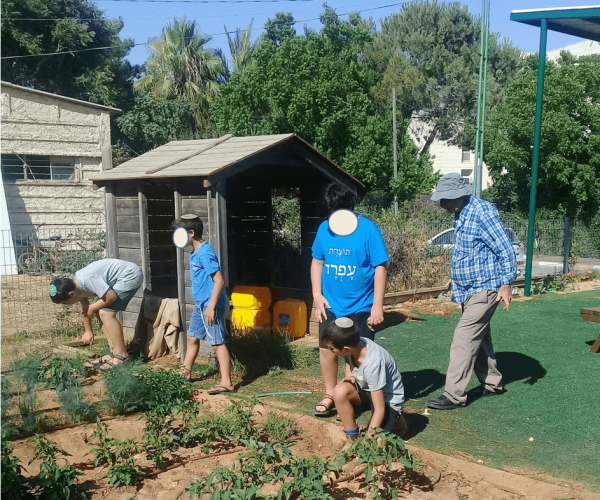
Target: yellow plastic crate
(251,297)
(290,316)
(248,318)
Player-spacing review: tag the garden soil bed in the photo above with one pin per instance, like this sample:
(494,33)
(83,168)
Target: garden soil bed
(459,477)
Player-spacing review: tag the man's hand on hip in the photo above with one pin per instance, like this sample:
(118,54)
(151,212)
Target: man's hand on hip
(505,295)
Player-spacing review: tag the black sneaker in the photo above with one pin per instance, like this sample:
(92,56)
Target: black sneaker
(486,392)
(442,403)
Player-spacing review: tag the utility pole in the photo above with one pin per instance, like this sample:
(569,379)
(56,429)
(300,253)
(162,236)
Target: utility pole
(395,132)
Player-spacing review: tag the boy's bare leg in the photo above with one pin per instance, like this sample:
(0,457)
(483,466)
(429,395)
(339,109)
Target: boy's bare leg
(346,398)
(224,365)
(193,346)
(114,332)
(106,357)
(329,369)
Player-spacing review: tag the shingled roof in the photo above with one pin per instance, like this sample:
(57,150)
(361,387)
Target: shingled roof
(208,158)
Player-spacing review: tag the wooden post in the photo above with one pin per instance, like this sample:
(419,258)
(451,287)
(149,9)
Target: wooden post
(221,225)
(112,243)
(144,243)
(180,278)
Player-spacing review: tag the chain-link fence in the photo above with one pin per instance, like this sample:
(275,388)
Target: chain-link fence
(28,263)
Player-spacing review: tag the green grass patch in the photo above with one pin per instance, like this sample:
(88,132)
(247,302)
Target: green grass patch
(542,347)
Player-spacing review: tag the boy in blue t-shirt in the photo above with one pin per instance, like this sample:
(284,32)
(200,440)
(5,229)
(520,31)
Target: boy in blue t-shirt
(372,382)
(348,275)
(208,318)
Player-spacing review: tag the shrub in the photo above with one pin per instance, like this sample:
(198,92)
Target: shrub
(124,388)
(164,391)
(74,406)
(28,370)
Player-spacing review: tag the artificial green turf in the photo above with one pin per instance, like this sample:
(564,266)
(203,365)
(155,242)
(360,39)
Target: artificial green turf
(552,385)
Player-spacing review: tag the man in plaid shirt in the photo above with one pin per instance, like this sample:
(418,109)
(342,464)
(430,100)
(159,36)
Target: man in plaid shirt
(484,265)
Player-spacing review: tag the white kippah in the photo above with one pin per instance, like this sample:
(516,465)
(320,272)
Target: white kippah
(344,322)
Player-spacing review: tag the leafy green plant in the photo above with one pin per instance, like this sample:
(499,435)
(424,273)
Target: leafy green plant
(164,391)
(278,428)
(238,421)
(74,406)
(556,283)
(378,450)
(103,450)
(62,372)
(12,479)
(6,396)
(117,454)
(56,483)
(124,471)
(158,438)
(307,478)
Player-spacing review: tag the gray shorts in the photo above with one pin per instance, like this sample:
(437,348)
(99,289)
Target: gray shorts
(123,298)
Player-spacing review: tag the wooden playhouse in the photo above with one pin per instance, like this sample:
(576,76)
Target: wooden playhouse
(229,183)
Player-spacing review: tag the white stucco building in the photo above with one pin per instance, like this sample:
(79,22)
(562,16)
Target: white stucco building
(51,146)
(449,157)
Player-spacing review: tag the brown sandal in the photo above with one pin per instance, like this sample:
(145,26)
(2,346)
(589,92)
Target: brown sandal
(329,411)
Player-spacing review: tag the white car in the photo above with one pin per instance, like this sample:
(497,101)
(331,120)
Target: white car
(445,240)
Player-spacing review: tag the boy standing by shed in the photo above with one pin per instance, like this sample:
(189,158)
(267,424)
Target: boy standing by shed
(208,318)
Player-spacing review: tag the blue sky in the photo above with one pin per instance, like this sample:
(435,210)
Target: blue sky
(144,20)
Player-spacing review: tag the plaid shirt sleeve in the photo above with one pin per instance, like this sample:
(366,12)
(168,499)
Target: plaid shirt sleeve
(495,237)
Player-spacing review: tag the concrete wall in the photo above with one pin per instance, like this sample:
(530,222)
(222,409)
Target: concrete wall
(40,124)
(583,48)
(447,156)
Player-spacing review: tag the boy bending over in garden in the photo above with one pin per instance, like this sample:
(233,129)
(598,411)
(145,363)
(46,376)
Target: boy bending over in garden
(372,383)
(114,282)
(208,318)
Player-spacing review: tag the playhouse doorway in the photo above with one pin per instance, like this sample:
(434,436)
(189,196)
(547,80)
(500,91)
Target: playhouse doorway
(160,199)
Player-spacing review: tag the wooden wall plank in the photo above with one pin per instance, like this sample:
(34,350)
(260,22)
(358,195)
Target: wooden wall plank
(127,206)
(131,255)
(129,319)
(181,295)
(128,223)
(144,245)
(129,240)
(112,242)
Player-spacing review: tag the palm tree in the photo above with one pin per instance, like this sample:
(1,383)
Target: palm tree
(181,66)
(241,47)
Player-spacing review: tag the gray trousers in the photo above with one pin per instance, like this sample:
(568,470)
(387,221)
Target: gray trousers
(472,348)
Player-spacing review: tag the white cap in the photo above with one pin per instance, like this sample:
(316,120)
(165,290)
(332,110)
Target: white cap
(344,322)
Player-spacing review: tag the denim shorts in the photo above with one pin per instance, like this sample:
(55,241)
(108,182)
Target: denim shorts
(215,334)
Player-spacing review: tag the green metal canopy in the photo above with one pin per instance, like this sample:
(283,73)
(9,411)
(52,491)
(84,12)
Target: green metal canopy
(583,22)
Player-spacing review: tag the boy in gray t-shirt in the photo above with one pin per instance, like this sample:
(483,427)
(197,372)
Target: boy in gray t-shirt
(372,383)
(114,282)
